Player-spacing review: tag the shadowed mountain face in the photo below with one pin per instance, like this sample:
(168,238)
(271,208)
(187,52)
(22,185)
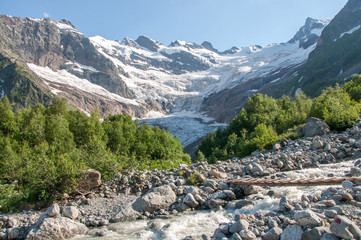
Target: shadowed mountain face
(337,55)
(149,80)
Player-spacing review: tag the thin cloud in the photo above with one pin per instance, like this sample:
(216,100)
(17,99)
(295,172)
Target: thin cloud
(46,14)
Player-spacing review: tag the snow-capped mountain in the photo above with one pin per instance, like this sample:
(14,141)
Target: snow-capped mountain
(188,88)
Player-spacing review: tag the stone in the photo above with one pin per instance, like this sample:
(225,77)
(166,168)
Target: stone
(223,186)
(273,234)
(13,233)
(347,184)
(56,228)
(53,211)
(126,213)
(307,218)
(216,203)
(211,183)
(329,236)
(239,226)
(155,199)
(344,228)
(251,189)
(277,146)
(190,200)
(243,203)
(315,233)
(314,127)
(70,212)
(355,171)
(292,232)
(330,213)
(219,195)
(90,180)
(318,144)
(215,173)
(329,203)
(346,196)
(247,235)
(230,194)
(235,236)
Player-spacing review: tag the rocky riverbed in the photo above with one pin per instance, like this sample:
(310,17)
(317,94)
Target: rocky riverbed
(196,202)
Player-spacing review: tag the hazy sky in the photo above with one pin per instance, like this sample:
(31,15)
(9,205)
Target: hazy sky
(225,23)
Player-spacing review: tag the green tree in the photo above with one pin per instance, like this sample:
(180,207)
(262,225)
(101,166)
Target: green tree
(353,88)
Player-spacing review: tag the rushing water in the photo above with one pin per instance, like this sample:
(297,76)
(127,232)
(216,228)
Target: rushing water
(205,222)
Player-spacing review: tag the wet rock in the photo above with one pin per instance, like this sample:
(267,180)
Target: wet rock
(155,199)
(273,234)
(190,200)
(216,203)
(292,232)
(307,218)
(249,190)
(239,226)
(243,203)
(344,228)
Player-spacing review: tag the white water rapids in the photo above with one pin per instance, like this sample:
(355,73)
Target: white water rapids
(205,222)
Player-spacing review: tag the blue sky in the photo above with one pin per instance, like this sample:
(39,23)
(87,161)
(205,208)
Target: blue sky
(225,23)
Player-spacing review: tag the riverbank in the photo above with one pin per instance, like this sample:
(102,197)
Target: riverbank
(201,186)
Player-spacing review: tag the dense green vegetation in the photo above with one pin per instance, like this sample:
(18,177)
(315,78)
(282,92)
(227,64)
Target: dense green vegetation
(265,120)
(44,151)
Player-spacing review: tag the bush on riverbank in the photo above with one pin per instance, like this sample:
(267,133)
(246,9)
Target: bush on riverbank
(43,151)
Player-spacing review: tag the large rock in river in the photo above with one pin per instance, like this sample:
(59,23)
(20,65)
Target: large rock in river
(156,198)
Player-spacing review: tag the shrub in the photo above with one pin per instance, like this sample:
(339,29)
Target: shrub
(353,88)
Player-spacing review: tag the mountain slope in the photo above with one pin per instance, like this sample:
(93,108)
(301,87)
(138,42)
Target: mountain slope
(337,55)
(184,87)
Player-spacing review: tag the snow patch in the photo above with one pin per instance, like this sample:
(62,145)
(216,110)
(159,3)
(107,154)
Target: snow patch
(317,31)
(90,68)
(63,77)
(276,80)
(348,32)
(300,79)
(298,91)
(253,90)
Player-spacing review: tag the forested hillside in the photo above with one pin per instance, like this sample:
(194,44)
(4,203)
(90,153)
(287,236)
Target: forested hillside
(265,120)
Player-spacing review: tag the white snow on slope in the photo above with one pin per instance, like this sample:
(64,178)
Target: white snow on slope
(63,77)
(348,32)
(351,31)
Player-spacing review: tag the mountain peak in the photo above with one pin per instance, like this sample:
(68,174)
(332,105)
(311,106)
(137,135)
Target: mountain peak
(67,22)
(209,46)
(309,33)
(148,43)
